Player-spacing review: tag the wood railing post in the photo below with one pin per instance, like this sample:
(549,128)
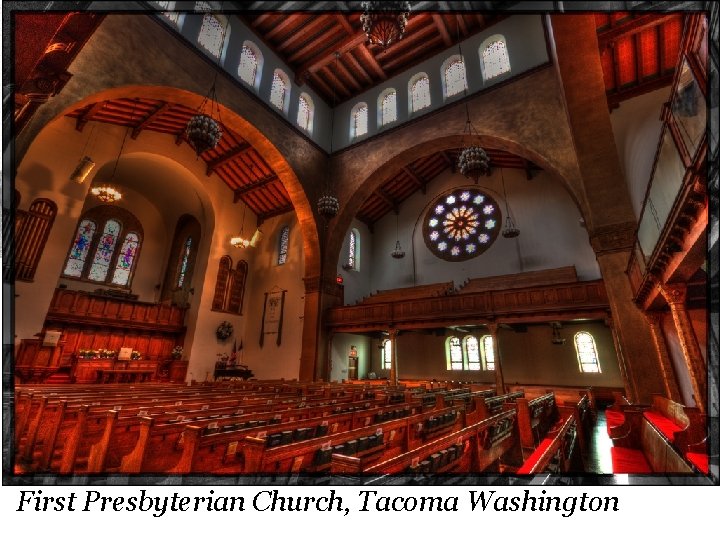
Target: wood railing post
(253,449)
(98,451)
(132,462)
(73,442)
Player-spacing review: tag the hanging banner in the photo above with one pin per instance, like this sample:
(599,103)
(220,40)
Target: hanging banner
(273,315)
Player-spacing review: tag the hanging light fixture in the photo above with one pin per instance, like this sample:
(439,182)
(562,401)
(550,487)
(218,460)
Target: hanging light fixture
(203,131)
(556,339)
(398,252)
(384,22)
(105,192)
(473,161)
(510,230)
(328,205)
(241,241)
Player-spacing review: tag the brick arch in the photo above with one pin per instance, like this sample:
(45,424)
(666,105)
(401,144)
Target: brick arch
(262,144)
(353,200)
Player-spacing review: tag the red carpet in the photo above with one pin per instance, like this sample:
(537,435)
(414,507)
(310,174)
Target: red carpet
(629,461)
(666,426)
(529,462)
(699,460)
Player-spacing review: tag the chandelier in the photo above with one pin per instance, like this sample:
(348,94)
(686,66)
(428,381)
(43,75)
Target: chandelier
(240,241)
(203,131)
(328,205)
(398,252)
(106,194)
(384,22)
(473,161)
(556,339)
(510,230)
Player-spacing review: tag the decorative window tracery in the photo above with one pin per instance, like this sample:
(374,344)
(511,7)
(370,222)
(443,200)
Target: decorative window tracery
(455,81)
(461,224)
(420,93)
(454,353)
(587,353)
(283,243)
(388,107)
(494,58)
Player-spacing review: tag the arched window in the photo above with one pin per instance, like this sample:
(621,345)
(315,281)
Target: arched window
(283,241)
(212,31)
(168,13)
(221,283)
(182,272)
(587,353)
(280,90)
(107,238)
(353,258)
(494,59)
(419,92)
(454,81)
(488,353)
(32,228)
(250,64)
(387,354)
(387,106)
(472,353)
(454,353)
(358,120)
(306,111)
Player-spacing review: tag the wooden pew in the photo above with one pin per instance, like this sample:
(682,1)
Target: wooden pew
(557,452)
(535,417)
(475,448)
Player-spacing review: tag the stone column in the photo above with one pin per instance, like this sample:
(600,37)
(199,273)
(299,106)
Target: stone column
(499,379)
(675,297)
(671,387)
(630,390)
(393,333)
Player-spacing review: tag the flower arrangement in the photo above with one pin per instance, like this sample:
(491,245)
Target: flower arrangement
(135,355)
(177,351)
(106,353)
(224,331)
(86,353)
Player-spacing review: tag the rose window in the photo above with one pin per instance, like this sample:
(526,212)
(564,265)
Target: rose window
(461,224)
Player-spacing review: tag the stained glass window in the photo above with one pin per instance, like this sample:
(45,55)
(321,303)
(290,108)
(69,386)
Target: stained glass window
(472,350)
(278,90)
(455,77)
(305,112)
(125,259)
(388,108)
(586,353)
(247,69)
(488,352)
(387,354)
(420,93)
(359,120)
(495,59)
(187,247)
(80,248)
(283,245)
(462,224)
(351,261)
(211,34)
(104,251)
(455,354)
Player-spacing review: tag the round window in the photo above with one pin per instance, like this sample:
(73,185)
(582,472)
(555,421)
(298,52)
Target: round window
(461,224)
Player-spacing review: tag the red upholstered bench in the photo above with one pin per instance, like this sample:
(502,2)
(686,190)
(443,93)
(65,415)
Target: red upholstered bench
(666,426)
(700,461)
(614,419)
(629,461)
(535,456)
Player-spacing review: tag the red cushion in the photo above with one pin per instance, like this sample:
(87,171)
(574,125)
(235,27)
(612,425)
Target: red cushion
(535,456)
(699,460)
(666,426)
(614,418)
(629,461)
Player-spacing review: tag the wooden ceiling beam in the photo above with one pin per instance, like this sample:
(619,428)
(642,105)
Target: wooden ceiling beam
(463,26)
(327,57)
(88,115)
(633,26)
(638,58)
(338,84)
(442,28)
(324,87)
(416,178)
(342,70)
(224,158)
(287,21)
(357,67)
(160,109)
(307,31)
(264,216)
(372,62)
(239,192)
(319,43)
(387,199)
(261,19)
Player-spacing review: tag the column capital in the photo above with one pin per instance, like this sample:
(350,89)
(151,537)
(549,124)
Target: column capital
(393,332)
(615,237)
(674,294)
(315,284)
(493,328)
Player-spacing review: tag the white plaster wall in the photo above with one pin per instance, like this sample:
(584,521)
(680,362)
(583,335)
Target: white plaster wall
(636,125)
(550,235)
(340,351)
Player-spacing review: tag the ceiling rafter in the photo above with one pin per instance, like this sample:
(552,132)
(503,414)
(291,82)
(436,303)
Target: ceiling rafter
(228,156)
(153,115)
(632,26)
(264,216)
(239,192)
(325,58)
(88,115)
(442,28)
